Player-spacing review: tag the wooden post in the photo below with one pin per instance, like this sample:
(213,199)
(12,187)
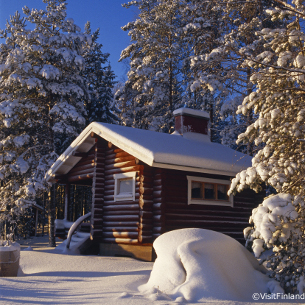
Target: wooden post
(51,217)
(71,204)
(67,200)
(36,222)
(43,212)
(5,230)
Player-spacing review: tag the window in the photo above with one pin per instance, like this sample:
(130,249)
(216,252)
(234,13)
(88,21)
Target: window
(124,186)
(209,191)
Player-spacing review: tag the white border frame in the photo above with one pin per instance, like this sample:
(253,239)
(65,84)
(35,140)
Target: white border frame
(229,202)
(117,177)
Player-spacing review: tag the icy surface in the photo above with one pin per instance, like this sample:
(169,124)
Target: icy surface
(198,265)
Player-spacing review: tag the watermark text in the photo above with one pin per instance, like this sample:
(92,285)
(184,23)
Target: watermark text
(277,296)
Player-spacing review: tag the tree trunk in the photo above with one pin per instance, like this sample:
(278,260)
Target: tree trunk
(51,217)
(250,146)
(211,110)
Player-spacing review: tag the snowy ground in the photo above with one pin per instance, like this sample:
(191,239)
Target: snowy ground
(50,278)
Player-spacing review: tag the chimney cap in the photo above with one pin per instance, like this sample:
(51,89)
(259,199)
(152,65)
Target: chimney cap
(191,112)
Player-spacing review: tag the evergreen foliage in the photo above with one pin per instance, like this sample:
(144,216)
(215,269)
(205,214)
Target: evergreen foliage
(223,33)
(154,86)
(46,76)
(190,53)
(278,101)
(100,82)
(26,224)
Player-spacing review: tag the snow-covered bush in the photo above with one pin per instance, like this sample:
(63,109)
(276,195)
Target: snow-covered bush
(278,224)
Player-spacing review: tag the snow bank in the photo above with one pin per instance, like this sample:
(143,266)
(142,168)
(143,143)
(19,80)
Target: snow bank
(197,264)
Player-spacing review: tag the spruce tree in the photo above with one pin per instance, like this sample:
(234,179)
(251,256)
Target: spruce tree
(41,99)
(153,89)
(100,82)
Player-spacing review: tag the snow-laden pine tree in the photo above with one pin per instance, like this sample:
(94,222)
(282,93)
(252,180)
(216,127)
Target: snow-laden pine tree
(223,33)
(278,100)
(99,80)
(201,29)
(41,99)
(154,85)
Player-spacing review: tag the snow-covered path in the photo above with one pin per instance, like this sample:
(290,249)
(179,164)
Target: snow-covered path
(51,278)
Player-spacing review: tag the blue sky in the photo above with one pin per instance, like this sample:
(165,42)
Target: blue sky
(108,15)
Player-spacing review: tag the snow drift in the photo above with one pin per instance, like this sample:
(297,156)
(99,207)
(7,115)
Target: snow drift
(197,264)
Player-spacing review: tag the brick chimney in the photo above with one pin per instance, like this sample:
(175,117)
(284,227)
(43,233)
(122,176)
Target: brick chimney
(192,123)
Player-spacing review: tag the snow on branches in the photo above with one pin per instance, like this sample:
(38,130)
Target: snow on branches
(154,86)
(278,224)
(278,100)
(41,99)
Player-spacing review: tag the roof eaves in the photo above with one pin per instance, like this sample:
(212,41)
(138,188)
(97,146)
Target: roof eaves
(67,154)
(194,169)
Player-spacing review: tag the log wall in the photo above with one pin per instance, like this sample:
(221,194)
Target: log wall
(178,214)
(159,197)
(117,221)
(146,205)
(98,187)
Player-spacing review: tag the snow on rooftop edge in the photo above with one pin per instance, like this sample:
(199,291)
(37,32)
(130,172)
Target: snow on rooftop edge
(157,149)
(192,112)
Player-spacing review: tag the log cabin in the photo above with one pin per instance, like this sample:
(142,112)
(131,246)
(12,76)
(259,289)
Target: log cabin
(145,183)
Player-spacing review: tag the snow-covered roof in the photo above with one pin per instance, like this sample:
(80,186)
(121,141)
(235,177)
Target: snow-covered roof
(191,112)
(157,150)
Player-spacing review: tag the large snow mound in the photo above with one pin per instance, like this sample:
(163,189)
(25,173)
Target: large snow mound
(198,264)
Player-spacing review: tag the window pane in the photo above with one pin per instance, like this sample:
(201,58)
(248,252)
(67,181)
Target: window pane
(209,191)
(125,186)
(222,192)
(196,190)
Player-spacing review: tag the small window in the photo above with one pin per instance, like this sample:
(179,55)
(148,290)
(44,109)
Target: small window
(222,191)
(209,191)
(196,190)
(124,186)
